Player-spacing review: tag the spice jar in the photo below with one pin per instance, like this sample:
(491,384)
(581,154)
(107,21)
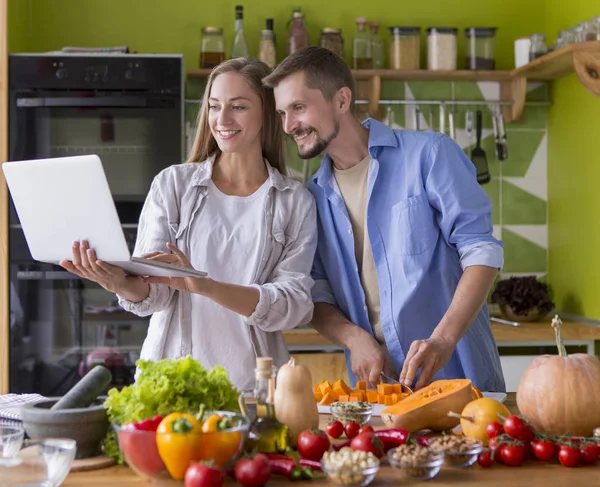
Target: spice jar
(441,48)
(362,55)
(405,47)
(377,48)
(332,39)
(297,33)
(266,48)
(538,46)
(481,47)
(212,50)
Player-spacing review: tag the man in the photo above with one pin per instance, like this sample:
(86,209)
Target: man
(405,257)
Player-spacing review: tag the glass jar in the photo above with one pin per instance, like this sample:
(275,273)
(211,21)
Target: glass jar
(405,47)
(297,33)
(597,26)
(212,50)
(362,54)
(332,39)
(266,48)
(481,48)
(441,48)
(588,31)
(538,46)
(376,46)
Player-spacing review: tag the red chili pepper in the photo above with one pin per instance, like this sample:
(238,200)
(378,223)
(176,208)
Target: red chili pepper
(285,466)
(150,424)
(311,464)
(392,438)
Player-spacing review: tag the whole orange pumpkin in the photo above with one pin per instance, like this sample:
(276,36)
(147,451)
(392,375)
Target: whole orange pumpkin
(560,394)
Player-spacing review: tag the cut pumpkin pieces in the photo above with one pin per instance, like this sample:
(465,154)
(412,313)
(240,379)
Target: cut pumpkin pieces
(387,394)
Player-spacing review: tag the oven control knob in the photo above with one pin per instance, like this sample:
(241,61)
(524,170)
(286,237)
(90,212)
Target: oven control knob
(61,73)
(129,74)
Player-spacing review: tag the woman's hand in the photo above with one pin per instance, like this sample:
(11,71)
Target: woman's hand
(197,285)
(86,265)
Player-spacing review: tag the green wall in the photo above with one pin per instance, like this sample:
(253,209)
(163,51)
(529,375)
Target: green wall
(573,178)
(162,26)
(20,26)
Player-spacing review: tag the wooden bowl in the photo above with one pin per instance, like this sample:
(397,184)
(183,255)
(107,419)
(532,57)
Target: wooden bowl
(533,315)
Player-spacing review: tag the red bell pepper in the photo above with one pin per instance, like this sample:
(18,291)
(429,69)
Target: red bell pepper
(139,449)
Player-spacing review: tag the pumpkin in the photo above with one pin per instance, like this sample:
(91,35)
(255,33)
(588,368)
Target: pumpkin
(295,404)
(477,414)
(428,407)
(560,394)
(476,393)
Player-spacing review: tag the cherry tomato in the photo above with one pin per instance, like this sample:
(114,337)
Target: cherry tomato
(493,429)
(568,456)
(512,455)
(518,429)
(543,450)
(335,428)
(352,429)
(495,446)
(202,475)
(589,454)
(485,459)
(365,428)
(254,471)
(367,442)
(312,444)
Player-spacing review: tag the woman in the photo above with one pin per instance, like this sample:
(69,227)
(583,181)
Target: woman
(232,211)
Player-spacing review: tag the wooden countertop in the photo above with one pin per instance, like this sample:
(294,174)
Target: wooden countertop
(530,474)
(526,332)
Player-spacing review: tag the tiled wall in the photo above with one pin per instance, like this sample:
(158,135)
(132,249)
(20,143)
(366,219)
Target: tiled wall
(519,185)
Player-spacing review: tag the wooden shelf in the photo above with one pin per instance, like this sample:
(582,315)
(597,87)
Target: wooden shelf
(582,58)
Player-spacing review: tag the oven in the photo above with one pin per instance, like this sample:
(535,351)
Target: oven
(128,109)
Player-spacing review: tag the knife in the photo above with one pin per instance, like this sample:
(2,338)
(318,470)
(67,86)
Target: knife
(505,322)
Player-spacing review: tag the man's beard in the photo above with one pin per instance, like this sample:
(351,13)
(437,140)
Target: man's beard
(321,143)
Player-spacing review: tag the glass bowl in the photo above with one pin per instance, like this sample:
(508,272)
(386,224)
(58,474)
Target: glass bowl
(359,411)
(140,448)
(350,468)
(421,467)
(11,439)
(42,463)
(460,452)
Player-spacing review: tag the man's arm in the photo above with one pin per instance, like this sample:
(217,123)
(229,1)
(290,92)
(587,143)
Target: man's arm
(365,353)
(433,353)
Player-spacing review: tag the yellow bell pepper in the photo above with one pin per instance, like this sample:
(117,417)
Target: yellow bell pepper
(179,439)
(219,444)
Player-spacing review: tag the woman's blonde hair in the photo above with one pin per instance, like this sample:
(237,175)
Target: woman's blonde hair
(253,71)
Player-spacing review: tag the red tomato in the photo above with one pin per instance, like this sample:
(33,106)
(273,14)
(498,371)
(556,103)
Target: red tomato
(512,455)
(312,444)
(139,452)
(568,456)
(485,459)
(335,429)
(589,454)
(352,429)
(253,471)
(493,429)
(517,428)
(202,475)
(543,450)
(367,441)
(496,446)
(365,428)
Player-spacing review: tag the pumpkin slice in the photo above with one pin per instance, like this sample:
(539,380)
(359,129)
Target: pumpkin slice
(340,388)
(476,393)
(429,407)
(372,396)
(362,385)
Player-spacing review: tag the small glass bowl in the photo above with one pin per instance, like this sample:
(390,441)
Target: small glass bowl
(463,459)
(11,440)
(360,478)
(423,470)
(340,412)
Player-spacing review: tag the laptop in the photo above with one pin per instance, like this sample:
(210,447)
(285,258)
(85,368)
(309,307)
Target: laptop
(64,199)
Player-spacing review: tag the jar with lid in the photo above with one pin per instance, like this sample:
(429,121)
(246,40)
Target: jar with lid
(377,48)
(597,26)
(538,46)
(481,48)
(297,32)
(405,47)
(441,48)
(266,49)
(588,31)
(331,38)
(362,55)
(212,49)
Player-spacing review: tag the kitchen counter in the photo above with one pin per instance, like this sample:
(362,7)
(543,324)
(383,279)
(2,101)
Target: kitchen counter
(530,474)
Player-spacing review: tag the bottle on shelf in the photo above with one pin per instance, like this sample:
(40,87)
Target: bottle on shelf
(212,50)
(377,48)
(240,47)
(362,56)
(297,32)
(266,50)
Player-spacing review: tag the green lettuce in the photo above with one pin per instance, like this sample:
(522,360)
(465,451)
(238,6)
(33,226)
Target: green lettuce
(168,386)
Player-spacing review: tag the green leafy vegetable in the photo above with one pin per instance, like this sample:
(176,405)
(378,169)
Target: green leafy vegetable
(168,386)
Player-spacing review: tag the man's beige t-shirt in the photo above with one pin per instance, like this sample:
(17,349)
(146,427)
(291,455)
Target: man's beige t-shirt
(353,184)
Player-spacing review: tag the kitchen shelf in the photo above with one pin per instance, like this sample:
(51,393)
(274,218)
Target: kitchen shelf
(582,58)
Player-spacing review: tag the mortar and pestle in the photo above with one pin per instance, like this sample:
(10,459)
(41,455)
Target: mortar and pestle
(79,414)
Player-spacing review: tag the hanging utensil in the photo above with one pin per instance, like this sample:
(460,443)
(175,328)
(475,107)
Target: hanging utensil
(442,118)
(499,151)
(417,117)
(451,131)
(431,117)
(469,127)
(502,136)
(478,155)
